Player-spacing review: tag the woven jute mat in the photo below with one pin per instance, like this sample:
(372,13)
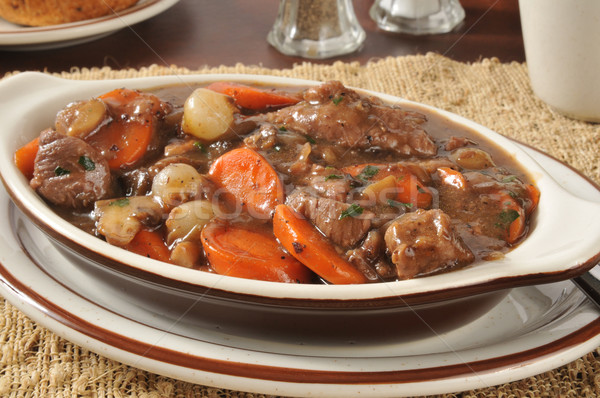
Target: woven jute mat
(37,363)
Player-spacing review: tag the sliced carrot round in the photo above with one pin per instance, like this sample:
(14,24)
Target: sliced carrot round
(516,215)
(123,143)
(150,244)
(248,181)
(25,157)
(124,140)
(299,237)
(409,188)
(249,252)
(452,177)
(253,97)
(534,197)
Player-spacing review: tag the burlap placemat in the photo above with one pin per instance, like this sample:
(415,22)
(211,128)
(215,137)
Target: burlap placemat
(37,363)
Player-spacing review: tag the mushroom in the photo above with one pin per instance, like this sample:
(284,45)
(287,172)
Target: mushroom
(119,220)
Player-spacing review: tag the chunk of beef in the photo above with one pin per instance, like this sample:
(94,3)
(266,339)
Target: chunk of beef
(367,257)
(264,138)
(338,114)
(69,172)
(327,182)
(326,214)
(136,182)
(423,242)
(455,142)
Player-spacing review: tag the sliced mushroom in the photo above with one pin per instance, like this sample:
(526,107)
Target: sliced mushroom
(472,158)
(79,119)
(186,254)
(119,220)
(186,221)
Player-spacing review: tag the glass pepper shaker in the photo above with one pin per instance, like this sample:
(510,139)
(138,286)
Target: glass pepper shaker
(417,17)
(316,28)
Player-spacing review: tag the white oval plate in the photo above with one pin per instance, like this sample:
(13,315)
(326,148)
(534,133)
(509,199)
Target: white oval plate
(24,38)
(533,330)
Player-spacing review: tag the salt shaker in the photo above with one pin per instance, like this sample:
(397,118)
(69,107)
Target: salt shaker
(417,17)
(316,28)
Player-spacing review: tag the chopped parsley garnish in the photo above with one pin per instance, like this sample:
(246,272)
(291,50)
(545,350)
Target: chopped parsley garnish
(310,139)
(368,172)
(395,203)
(333,177)
(421,190)
(119,202)
(508,216)
(352,211)
(337,100)
(509,179)
(200,146)
(282,128)
(87,163)
(59,171)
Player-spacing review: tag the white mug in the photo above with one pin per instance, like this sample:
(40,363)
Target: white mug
(562,49)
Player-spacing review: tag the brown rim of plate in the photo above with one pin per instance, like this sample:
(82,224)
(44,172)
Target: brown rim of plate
(292,375)
(286,374)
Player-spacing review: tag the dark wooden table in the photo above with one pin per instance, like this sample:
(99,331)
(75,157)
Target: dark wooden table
(195,33)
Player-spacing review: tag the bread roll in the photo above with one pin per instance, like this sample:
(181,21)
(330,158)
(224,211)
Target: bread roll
(54,12)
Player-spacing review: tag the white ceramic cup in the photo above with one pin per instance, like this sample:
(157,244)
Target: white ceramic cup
(562,48)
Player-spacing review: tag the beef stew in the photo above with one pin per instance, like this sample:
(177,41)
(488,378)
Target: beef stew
(322,185)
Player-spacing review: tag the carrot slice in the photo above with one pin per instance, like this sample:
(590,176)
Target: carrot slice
(252,97)
(123,143)
(515,214)
(299,237)
(119,96)
(534,196)
(452,177)
(149,244)
(249,181)
(409,188)
(125,140)
(251,253)
(25,157)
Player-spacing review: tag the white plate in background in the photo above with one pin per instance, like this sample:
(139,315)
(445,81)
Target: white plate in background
(24,38)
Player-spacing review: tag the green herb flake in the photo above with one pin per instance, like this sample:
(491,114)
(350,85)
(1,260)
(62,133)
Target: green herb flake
(87,163)
(200,146)
(59,171)
(395,203)
(333,177)
(337,100)
(508,216)
(120,202)
(508,179)
(368,172)
(310,140)
(352,211)
(282,128)
(421,190)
